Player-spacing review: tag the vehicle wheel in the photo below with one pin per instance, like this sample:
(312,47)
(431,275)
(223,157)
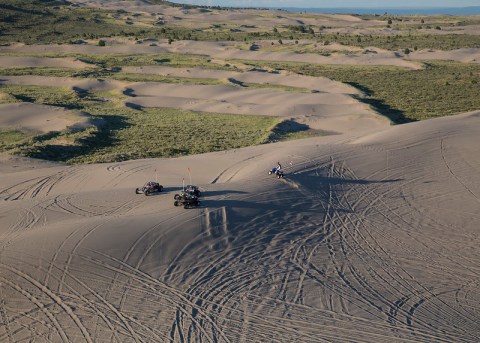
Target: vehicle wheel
(138,191)
(148,192)
(176,203)
(177,197)
(186,206)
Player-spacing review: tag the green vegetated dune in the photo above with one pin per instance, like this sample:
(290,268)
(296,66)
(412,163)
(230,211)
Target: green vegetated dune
(119,132)
(440,88)
(123,133)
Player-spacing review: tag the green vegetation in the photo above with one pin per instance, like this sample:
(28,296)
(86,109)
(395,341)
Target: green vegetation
(166,59)
(124,133)
(440,89)
(57,72)
(165,79)
(53,21)
(10,139)
(58,21)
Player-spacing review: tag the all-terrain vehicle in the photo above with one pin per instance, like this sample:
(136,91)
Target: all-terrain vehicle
(277,172)
(188,190)
(149,188)
(187,200)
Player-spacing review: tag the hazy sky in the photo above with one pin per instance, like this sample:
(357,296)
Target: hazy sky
(337,3)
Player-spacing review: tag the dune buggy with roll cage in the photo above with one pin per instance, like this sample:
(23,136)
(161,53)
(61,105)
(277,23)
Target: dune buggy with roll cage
(149,188)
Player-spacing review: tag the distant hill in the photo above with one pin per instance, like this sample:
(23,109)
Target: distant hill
(472,10)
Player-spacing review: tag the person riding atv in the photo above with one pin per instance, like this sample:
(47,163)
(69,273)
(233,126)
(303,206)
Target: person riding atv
(277,172)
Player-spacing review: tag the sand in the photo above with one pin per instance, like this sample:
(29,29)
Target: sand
(41,118)
(221,50)
(459,55)
(372,236)
(366,240)
(329,106)
(25,62)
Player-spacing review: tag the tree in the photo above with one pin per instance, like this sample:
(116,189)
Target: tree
(406,51)
(280,41)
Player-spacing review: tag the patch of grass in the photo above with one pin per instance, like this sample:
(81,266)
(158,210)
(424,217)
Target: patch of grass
(276,87)
(166,59)
(124,133)
(132,77)
(40,71)
(10,139)
(403,95)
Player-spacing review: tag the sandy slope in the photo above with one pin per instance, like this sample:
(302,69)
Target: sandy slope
(223,50)
(371,237)
(72,83)
(320,84)
(21,62)
(460,55)
(330,108)
(366,240)
(37,117)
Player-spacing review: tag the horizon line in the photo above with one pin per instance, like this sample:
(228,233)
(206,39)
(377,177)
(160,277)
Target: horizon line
(330,7)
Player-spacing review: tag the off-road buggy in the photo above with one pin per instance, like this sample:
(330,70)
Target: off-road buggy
(149,188)
(189,190)
(187,200)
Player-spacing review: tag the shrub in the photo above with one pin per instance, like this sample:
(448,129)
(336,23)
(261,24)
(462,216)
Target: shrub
(101,42)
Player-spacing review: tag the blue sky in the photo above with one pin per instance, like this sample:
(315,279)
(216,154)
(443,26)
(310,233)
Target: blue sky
(336,4)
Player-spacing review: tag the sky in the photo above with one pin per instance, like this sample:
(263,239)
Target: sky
(335,4)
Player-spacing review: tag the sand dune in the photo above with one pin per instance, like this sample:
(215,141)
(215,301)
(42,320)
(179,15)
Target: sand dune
(37,117)
(223,50)
(320,84)
(366,240)
(372,236)
(460,55)
(328,108)
(21,62)
(73,83)
(334,112)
